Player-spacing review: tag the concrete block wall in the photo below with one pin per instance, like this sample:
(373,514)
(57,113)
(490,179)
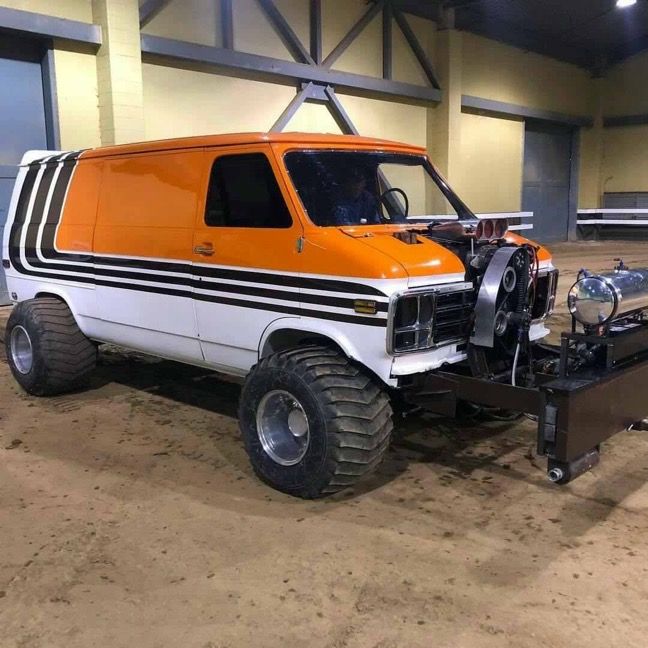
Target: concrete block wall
(111,96)
(119,71)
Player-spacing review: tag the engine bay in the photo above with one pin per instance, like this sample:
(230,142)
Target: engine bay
(581,391)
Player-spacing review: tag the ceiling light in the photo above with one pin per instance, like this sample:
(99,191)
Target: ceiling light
(622,4)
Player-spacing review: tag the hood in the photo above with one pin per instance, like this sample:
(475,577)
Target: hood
(424,258)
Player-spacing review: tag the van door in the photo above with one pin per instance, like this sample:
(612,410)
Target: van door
(245,255)
(142,244)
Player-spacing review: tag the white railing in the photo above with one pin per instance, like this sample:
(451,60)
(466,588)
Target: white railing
(507,215)
(604,220)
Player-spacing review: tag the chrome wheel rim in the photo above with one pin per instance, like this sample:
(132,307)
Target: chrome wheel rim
(22,353)
(282,426)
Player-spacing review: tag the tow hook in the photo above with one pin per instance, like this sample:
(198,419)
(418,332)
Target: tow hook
(560,472)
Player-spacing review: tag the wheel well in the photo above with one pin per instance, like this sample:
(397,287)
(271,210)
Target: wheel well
(290,338)
(51,295)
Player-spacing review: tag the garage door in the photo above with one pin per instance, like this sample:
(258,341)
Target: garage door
(22,118)
(547,171)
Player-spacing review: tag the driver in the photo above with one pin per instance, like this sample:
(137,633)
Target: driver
(356,206)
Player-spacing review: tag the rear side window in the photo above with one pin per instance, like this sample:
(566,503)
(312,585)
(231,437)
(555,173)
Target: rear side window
(243,192)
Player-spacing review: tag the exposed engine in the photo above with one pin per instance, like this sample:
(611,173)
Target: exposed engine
(509,291)
(580,392)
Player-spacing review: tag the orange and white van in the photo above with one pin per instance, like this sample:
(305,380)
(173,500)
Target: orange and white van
(329,271)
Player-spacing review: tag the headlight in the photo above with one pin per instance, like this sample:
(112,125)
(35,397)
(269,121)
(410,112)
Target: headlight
(428,318)
(413,320)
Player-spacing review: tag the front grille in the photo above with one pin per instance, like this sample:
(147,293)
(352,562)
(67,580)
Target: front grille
(427,319)
(453,316)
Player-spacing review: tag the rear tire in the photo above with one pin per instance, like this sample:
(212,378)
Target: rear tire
(46,351)
(313,423)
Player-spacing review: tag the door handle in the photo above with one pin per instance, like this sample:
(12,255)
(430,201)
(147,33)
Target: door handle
(205,250)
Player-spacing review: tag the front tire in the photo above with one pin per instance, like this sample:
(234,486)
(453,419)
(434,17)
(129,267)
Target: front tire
(46,351)
(313,423)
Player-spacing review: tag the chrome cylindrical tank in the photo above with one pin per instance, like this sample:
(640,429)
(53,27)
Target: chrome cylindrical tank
(598,299)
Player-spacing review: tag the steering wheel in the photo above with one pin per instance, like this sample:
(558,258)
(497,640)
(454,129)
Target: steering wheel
(384,194)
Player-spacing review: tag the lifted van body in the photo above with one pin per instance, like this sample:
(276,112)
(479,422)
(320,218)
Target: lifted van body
(292,259)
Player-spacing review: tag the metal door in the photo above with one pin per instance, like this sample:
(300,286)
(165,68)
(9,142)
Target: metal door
(22,119)
(546,181)
(246,256)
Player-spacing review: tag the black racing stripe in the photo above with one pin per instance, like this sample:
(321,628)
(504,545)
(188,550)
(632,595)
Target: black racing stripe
(20,216)
(55,211)
(313,283)
(159,290)
(289,281)
(278,308)
(322,300)
(120,265)
(90,271)
(50,219)
(49,275)
(349,319)
(162,290)
(145,264)
(42,161)
(38,209)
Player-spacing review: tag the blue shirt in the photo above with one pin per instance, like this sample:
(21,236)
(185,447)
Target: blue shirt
(350,211)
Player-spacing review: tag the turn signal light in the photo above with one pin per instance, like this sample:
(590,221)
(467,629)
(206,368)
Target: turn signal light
(365,307)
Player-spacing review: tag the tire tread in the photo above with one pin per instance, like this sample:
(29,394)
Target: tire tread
(67,356)
(357,412)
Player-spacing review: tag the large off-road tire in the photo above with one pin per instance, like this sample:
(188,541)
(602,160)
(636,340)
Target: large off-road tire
(47,352)
(312,422)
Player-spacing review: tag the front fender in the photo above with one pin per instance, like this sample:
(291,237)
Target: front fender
(326,329)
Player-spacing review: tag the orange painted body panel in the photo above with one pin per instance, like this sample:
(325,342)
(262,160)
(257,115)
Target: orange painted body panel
(152,202)
(148,205)
(287,140)
(250,248)
(329,251)
(76,231)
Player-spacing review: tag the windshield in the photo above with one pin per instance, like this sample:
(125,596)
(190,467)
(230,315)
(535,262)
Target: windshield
(370,188)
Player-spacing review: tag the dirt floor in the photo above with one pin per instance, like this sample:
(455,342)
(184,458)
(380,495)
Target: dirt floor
(129,516)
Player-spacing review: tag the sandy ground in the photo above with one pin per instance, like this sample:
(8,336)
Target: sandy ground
(129,517)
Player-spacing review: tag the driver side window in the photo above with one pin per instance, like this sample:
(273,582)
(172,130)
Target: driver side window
(243,192)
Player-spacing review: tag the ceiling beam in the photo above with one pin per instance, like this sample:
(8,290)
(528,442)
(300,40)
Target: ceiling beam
(289,112)
(227,24)
(40,25)
(387,42)
(353,33)
(149,9)
(286,33)
(492,107)
(340,115)
(278,70)
(315,16)
(416,47)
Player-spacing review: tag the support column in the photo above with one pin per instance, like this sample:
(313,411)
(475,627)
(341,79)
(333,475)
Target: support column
(119,71)
(592,154)
(444,120)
